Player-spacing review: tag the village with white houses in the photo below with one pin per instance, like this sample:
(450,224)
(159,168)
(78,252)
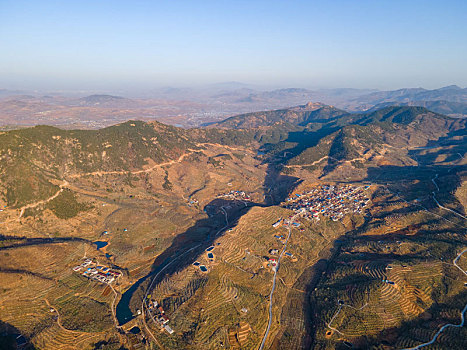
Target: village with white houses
(236,195)
(94,271)
(332,201)
(157,313)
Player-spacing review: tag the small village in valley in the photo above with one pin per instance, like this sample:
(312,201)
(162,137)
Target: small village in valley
(93,270)
(332,201)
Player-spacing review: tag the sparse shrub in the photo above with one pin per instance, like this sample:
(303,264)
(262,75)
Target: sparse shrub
(65,205)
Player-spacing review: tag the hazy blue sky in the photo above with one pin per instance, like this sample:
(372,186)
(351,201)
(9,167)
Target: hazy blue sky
(102,44)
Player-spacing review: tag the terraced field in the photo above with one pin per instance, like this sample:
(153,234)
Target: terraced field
(232,305)
(393,283)
(33,309)
(56,337)
(140,213)
(379,277)
(371,308)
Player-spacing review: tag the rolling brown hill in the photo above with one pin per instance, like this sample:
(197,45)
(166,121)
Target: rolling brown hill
(159,196)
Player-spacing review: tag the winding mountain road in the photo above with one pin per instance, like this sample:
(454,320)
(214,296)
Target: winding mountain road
(150,287)
(65,183)
(289,227)
(44,201)
(337,313)
(135,172)
(464,310)
(461,324)
(441,206)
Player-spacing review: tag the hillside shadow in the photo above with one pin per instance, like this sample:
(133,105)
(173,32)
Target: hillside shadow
(448,179)
(25,272)
(277,186)
(303,139)
(194,241)
(25,241)
(315,320)
(389,174)
(300,334)
(453,150)
(201,235)
(297,312)
(12,339)
(428,323)
(277,183)
(418,182)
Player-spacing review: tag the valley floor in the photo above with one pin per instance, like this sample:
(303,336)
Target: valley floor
(209,253)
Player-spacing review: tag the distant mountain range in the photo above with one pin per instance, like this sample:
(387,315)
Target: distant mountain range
(191,107)
(299,116)
(455,109)
(321,137)
(450,93)
(96,99)
(313,137)
(451,100)
(199,205)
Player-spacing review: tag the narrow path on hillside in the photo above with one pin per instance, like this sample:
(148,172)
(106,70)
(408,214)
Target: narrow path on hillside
(424,208)
(289,227)
(338,312)
(115,172)
(114,313)
(461,324)
(98,173)
(310,164)
(222,146)
(44,201)
(59,321)
(464,310)
(135,172)
(443,207)
(145,298)
(144,304)
(159,165)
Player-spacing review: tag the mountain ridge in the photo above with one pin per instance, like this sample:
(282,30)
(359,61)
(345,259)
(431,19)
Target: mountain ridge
(306,133)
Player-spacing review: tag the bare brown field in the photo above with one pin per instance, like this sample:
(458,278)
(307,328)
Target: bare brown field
(138,215)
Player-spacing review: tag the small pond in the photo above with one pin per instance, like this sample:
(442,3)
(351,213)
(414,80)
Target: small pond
(100,244)
(135,330)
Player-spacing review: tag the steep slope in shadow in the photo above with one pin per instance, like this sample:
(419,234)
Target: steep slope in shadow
(420,330)
(420,179)
(201,235)
(190,243)
(11,242)
(12,339)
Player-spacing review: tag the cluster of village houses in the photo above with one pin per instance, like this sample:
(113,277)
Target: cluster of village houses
(157,312)
(272,262)
(333,201)
(192,201)
(238,195)
(97,272)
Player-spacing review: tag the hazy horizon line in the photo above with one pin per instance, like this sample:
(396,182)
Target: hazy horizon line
(221,85)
